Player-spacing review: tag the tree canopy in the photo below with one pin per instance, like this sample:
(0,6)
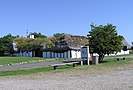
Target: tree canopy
(5,42)
(132,48)
(104,40)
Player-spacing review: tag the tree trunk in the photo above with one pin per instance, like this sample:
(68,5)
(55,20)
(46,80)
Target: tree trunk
(101,56)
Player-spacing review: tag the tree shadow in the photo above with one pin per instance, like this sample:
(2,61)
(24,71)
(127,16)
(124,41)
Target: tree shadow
(104,61)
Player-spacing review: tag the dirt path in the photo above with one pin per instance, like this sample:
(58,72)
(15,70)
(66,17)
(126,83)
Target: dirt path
(120,78)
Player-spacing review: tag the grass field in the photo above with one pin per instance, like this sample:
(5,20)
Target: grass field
(107,63)
(14,60)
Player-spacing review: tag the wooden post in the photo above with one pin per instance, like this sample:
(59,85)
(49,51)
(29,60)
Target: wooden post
(55,67)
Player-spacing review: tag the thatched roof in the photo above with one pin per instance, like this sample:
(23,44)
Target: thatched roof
(125,43)
(27,44)
(73,41)
(67,41)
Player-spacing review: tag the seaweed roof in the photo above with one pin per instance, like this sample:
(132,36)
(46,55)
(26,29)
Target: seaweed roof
(68,41)
(74,40)
(125,43)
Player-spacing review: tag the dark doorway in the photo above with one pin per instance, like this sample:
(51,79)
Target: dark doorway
(38,53)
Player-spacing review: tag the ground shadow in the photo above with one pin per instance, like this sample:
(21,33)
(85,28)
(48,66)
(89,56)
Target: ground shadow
(104,61)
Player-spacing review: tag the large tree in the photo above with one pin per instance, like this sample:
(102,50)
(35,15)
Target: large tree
(5,42)
(104,40)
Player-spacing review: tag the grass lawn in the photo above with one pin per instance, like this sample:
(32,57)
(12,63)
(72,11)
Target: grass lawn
(14,60)
(107,63)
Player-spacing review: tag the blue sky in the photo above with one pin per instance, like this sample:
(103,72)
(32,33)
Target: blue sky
(64,16)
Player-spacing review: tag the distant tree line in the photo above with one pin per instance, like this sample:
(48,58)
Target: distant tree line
(4,44)
(27,44)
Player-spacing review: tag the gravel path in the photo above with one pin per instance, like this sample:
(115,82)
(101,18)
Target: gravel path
(117,79)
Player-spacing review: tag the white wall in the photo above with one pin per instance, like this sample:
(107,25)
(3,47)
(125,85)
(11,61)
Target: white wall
(33,53)
(123,52)
(30,54)
(16,54)
(44,55)
(25,54)
(62,55)
(120,53)
(65,54)
(68,54)
(78,54)
(58,55)
(48,54)
(53,56)
(74,53)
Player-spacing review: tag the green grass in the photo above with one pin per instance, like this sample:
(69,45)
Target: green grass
(114,62)
(34,70)
(14,60)
(24,72)
(131,54)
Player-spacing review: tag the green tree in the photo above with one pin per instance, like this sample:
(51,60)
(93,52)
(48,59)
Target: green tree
(104,40)
(132,48)
(37,35)
(5,43)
